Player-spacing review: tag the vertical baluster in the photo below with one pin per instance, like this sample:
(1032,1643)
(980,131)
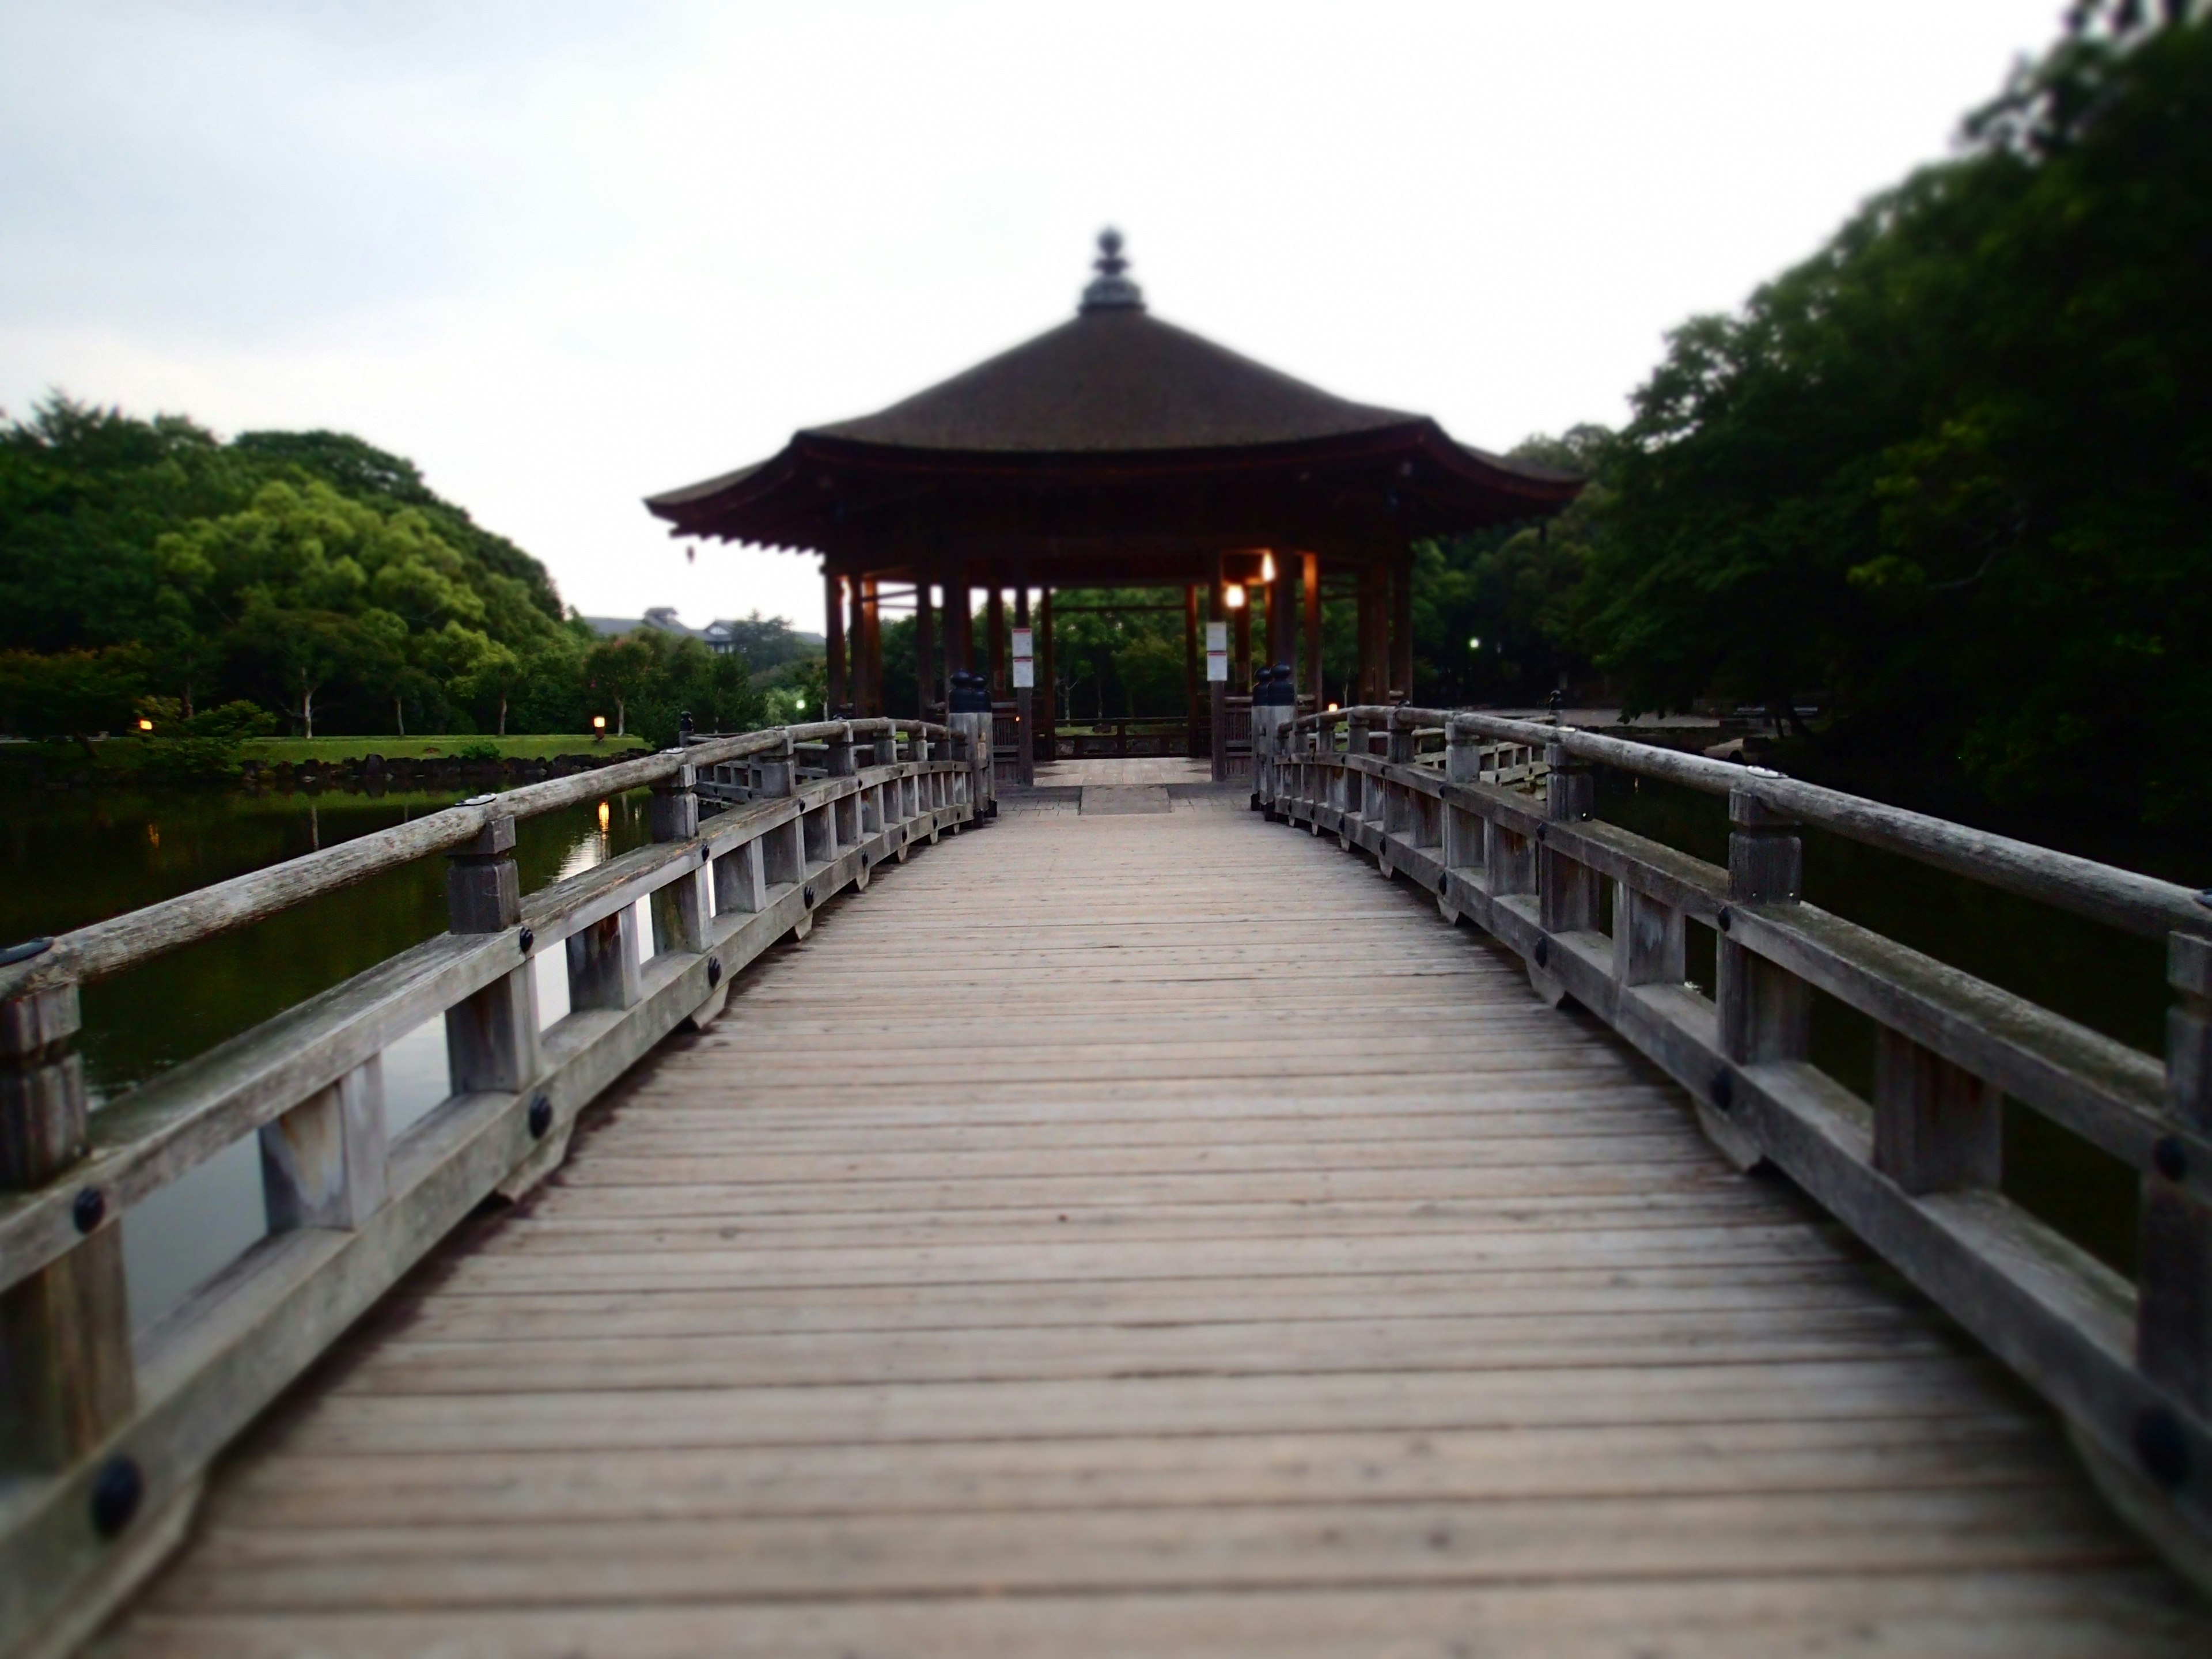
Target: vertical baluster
(491,1039)
(603,966)
(1937,1125)
(681,910)
(2173,1332)
(323,1161)
(66,1368)
(1649,940)
(740,879)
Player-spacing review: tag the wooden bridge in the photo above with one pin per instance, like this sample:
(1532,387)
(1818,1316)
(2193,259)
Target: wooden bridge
(1119,1233)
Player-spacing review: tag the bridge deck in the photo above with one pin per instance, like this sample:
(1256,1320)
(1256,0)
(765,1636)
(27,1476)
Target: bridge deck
(1073,1249)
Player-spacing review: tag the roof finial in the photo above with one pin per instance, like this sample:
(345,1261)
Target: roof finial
(1110,289)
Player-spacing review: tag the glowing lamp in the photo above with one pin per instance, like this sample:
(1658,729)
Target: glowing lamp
(1233,596)
(1332,708)
(1267,566)
(598,723)
(145,726)
(1474,645)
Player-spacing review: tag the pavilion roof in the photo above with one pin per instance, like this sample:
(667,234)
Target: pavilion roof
(1111,395)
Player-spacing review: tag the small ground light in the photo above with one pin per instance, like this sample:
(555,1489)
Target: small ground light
(145,726)
(1474,645)
(1332,708)
(599,727)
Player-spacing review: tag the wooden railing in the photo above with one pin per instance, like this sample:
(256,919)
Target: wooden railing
(106,1439)
(1914,1169)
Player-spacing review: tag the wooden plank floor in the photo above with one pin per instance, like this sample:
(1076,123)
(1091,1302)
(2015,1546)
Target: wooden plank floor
(1148,1236)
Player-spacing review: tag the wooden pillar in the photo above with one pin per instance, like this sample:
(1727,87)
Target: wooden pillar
(1371,668)
(925,643)
(1217,691)
(1024,697)
(959,654)
(1047,684)
(855,649)
(66,1380)
(1242,661)
(1193,679)
(1401,625)
(1282,614)
(833,606)
(871,647)
(995,620)
(1312,580)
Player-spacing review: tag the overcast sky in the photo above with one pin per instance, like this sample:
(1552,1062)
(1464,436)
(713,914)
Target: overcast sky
(565,255)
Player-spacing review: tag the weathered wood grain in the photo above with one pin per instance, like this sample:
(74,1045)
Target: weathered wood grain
(1042,1290)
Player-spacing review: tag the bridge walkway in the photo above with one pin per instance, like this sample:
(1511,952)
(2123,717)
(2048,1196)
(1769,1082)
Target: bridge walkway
(1146,1235)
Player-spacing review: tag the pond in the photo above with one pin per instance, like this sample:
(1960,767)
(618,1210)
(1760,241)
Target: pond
(69,858)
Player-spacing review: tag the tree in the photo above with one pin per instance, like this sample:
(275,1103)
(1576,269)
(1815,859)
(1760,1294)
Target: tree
(1955,471)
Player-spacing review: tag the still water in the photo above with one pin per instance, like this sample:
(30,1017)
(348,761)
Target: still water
(70,858)
(67,860)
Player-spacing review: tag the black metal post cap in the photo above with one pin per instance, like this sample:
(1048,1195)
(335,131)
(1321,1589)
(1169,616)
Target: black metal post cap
(2170,1157)
(24,952)
(89,1210)
(116,1492)
(2162,1447)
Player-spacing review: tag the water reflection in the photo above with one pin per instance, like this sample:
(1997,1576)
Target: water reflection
(69,860)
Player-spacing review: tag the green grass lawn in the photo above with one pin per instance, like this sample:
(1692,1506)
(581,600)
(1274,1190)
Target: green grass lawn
(269,751)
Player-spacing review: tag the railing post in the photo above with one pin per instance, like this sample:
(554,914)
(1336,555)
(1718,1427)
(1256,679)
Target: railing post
(681,910)
(1937,1125)
(1651,942)
(323,1161)
(970,719)
(491,1039)
(65,1366)
(783,853)
(1566,889)
(2173,1328)
(1766,1012)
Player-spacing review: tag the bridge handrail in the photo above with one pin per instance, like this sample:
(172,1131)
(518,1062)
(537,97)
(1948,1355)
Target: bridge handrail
(1914,1169)
(105,1434)
(108,946)
(2137,904)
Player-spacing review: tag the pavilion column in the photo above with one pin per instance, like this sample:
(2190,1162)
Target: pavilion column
(1024,698)
(995,623)
(856,631)
(1312,580)
(1244,635)
(833,597)
(1364,630)
(1192,679)
(871,646)
(1282,614)
(1048,722)
(958,653)
(925,642)
(1401,625)
(1218,690)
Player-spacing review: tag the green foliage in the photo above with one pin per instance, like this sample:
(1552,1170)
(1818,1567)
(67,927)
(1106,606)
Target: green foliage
(71,694)
(1954,473)
(647,680)
(1119,664)
(1493,612)
(306,571)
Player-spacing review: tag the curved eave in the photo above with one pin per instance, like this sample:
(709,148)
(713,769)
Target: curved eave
(780,490)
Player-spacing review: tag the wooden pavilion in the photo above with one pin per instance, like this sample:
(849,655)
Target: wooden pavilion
(1116,450)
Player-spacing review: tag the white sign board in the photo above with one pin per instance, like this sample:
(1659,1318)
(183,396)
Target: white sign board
(1023,652)
(1024,673)
(1216,651)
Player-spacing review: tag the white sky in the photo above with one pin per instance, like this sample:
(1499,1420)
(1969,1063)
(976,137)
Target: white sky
(564,255)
